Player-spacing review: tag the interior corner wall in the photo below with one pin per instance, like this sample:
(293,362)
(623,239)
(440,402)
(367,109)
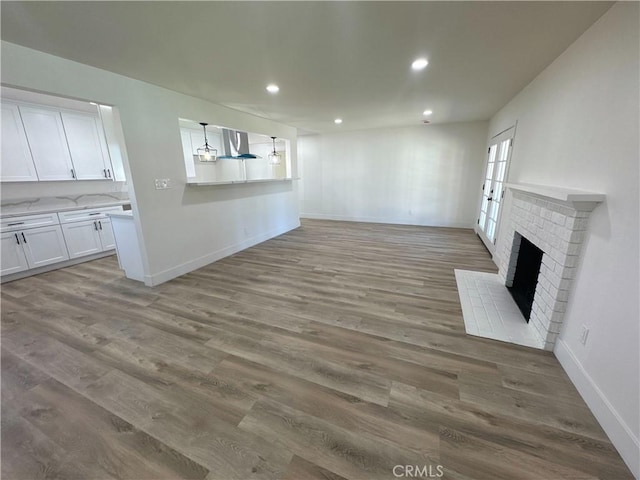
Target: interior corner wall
(184,227)
(423,175)
(578,127)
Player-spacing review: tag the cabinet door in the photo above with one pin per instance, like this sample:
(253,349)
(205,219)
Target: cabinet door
(106,234)
(82,238)
(44,246)
(48,143)
(12,258)
(17,164)
(115,140)
(86,145)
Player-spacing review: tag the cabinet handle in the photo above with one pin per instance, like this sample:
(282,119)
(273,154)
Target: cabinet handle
(15,223)
(100,223)
(109,172)
(24,238)
(95,224)
(73,173)
(17,239)
(104,172)
(96,213)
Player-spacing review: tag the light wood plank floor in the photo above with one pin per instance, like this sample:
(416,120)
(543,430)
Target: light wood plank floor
(336,351)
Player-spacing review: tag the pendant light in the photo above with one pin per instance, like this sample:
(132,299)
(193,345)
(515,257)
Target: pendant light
(274,157)
(207,153)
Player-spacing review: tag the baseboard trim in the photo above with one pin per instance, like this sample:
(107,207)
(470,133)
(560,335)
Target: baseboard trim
(184,268)
(614,426)
(56,266)
(387,220)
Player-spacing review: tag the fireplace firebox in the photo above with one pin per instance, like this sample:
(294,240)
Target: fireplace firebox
(525,277)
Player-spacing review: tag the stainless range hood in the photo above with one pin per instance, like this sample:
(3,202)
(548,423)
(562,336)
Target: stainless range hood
(235,144)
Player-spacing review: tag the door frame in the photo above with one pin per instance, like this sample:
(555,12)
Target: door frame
(505,134)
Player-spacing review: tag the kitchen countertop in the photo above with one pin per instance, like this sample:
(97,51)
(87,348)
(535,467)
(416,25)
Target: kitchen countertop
(34,206)
(128,214)
(196,183)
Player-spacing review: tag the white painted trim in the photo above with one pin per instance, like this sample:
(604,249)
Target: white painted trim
(56,266)
(613,424)
(191,265)
(387,220)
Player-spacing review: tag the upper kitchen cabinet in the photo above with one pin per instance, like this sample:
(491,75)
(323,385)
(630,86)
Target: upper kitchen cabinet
(115,140)
(48,143)
(87,146)
(49,138)
(17,164)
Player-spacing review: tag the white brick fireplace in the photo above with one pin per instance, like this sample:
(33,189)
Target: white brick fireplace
(555,220)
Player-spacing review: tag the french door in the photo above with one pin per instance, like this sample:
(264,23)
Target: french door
(499,154)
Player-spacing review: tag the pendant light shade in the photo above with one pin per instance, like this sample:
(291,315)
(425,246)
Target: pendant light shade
(207,153)
(274,157)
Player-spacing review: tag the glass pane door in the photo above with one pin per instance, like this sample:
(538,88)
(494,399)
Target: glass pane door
(493,187)
(486,201)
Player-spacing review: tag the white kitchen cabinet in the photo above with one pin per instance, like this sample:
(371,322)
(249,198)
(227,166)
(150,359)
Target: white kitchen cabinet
(32,241)
(43,246)
(27,248)
(12,257)
(106,234)
(115,140)
(88,237)
(82,238)
(17,164)
(87,232)
(87,145)
(48,142)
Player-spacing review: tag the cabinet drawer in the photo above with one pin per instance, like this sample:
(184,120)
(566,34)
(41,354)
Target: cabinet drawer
(87,214)
(28,221)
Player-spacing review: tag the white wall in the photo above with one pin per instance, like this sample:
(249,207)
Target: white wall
(185,227)
(423,175)
(578,128)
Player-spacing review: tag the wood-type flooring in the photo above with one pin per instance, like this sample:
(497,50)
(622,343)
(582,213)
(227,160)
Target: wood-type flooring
(335,351)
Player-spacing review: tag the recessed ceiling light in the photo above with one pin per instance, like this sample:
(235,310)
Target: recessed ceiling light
(426,113)
(419,64)
(273,88)
(337,121)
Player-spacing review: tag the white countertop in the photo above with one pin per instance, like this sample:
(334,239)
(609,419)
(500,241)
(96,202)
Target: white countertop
(128,214)
(34,206)
(196,183)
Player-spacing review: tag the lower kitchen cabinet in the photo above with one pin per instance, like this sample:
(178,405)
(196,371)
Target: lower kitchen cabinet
(88,237)
(32,241)
(12,257)
(82,238)
(39,246)
(106,234)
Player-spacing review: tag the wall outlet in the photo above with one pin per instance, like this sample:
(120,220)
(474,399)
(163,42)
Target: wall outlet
(163,183)
(584,334)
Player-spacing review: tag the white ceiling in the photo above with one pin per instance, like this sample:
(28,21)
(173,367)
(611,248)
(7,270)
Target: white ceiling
(330,59)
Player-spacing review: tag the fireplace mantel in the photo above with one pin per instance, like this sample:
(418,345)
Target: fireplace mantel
(577,199)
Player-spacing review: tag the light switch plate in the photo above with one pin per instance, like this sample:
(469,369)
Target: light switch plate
(163,183)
